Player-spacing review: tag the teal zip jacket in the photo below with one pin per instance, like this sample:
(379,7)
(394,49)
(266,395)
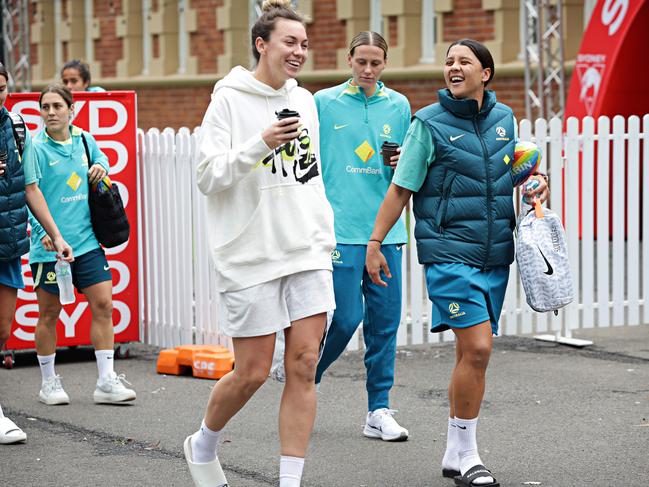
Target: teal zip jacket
(352,129)
(64,184)
(464,209)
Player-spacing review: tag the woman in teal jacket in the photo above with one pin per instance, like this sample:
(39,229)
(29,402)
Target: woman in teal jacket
(456,162)
(356,117)
(18,190)
(67,173)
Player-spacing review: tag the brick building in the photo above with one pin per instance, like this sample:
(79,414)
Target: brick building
(173,51)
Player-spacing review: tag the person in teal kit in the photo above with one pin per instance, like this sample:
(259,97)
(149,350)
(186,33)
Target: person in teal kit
(18,191)
(356,117)
(67,173)
(456,163)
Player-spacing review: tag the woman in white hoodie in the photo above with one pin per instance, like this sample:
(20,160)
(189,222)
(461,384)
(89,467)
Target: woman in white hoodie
(271,236)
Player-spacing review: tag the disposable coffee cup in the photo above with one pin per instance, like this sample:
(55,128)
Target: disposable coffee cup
(286,113)
(388,149)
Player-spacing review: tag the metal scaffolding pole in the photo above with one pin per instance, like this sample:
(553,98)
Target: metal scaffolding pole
(15,43)
(544,71)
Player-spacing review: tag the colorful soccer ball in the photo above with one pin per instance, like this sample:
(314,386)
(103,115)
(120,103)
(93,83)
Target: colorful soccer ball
(527,157)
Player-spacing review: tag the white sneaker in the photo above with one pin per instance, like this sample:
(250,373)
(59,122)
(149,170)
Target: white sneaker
(52,392)
(112,390)
(381,424)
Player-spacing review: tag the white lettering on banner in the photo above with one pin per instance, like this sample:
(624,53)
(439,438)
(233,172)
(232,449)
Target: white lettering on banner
(78,106)
(25,321)
(613,13)
(70,321)
(124,316)
(123,192)
(93,117)
(116,250)
(122,154)
(27,324)
(29,282)
(123,276)
(25,108)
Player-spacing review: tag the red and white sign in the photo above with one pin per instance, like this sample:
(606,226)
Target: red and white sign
(608,78)
(111,117)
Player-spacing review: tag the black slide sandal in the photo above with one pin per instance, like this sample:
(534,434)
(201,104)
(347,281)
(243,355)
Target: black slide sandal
(474,473)
(450,473)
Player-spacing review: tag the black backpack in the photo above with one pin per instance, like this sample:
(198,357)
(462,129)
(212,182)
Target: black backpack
(107,214)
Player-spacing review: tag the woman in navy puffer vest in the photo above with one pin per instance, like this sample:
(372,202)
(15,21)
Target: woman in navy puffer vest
(18,190)
(456,162)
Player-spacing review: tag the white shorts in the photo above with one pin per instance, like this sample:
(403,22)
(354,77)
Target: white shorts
(272,306)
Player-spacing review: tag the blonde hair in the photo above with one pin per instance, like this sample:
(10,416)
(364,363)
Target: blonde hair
(368,38)
(273,10)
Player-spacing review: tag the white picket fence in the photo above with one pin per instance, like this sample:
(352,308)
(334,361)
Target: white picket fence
(178,298)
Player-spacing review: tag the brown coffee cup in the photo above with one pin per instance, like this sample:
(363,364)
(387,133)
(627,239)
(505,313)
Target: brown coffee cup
(389,149)
(286,113)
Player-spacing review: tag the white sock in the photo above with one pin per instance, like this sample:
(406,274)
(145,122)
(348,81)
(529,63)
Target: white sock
(204,443)
(451,460)
(105,362)
(468,448)
(47,365)
(290,471)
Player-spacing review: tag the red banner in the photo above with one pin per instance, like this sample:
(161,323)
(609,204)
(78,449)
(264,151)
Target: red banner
(111,117)
(610,76)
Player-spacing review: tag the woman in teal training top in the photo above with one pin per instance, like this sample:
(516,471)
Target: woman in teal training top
(67,173)
(456,163)
(18,190)
(75,75)
(356,117)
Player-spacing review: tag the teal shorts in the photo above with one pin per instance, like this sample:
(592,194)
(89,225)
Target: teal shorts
(11,273)
(465,296)
(87,269)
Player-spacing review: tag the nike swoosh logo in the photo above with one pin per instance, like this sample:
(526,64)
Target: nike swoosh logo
(338,127)
(106,267)
(454,138)
(550,271)
(53,163)
(461,427)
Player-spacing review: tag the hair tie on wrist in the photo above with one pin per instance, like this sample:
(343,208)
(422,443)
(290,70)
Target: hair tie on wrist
(375,240)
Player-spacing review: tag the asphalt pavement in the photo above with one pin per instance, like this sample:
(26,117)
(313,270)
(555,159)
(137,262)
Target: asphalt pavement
(553,416)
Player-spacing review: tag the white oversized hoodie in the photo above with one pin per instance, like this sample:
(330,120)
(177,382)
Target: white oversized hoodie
(267,210)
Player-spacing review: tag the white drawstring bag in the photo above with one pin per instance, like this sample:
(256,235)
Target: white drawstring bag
(542,258)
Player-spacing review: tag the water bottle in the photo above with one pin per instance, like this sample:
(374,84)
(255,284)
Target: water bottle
(64,280)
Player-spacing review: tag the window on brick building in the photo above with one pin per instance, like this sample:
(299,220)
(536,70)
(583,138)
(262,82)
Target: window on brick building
(427,32)
(376,19)
(589,6)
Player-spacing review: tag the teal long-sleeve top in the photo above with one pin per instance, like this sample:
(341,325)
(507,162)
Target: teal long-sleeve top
(352,129)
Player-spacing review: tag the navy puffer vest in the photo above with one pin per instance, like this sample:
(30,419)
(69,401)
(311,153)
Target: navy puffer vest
(464,210)
(13,209)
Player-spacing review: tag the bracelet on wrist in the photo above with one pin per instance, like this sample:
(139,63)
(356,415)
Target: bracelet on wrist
(375,240)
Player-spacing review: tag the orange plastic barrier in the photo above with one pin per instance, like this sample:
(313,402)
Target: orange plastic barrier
(205,361)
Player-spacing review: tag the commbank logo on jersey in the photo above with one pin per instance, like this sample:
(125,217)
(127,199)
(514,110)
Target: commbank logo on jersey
(364,151)
(74,181)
